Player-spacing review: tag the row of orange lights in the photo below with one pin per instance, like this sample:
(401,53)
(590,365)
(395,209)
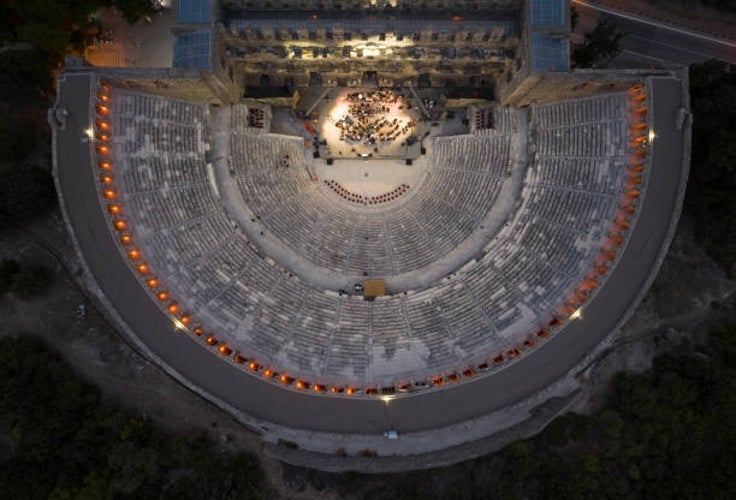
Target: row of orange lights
(108,193)
(571,305)
(162,295)
(622,221)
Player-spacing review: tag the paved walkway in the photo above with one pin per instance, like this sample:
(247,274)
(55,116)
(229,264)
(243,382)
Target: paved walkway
(657,40)
(268,407)
(692,16)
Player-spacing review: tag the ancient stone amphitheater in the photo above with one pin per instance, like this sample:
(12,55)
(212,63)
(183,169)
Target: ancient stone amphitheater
(511,252)
(509,233)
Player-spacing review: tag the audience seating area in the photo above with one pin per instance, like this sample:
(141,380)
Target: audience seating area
(466,177)
(208,275)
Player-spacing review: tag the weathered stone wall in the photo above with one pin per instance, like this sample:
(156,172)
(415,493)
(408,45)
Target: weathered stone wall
(370,4)
(550,87)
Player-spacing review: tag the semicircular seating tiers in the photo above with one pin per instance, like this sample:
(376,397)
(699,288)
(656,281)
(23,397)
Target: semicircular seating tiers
(462,185)
(575,206)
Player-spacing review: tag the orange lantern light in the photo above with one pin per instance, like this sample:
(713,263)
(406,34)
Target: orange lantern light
(605,257)
(565,310)
(151,282)
(106,179)
(134,254)
(185,319)
(588,285)
(599,271)
(109,194)
(163,296)
(114,209)
(126,239)
(174,308)
(119,225)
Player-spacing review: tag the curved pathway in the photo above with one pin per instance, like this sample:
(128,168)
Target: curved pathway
(254,400)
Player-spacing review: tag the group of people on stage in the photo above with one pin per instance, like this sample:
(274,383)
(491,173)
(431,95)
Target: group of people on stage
(366,121)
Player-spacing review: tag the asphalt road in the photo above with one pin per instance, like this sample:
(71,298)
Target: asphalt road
(657,40)
(261,400)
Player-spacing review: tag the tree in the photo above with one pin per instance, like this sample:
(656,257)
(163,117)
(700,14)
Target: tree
(26,193)
(71,444)
(134,10)
(712,179)
(599,45)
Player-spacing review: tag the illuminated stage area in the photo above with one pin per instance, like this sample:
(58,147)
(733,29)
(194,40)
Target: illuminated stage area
(370,123)
(374,183)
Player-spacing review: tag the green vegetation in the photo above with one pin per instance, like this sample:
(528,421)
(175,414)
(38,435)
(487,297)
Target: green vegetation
(134,10)
(574,18)
(24,280)
(68,443)
(50,26)
(667,433)
(26,193)
(599,46)
(729,5)
(712,185)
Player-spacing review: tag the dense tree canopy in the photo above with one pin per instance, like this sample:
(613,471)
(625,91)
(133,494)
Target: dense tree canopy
(599,45)
(50,25)
(24,280)
(711,191)
(26,193)
(71,444)
(667,433)
(721,4)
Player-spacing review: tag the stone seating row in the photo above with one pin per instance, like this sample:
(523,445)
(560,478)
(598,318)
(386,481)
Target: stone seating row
(157,210)
(593,109)
(577,210)
(162,172)
(481,153)
(153,107)
(599,176)
(470,192)
(252,303)
(593,140)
